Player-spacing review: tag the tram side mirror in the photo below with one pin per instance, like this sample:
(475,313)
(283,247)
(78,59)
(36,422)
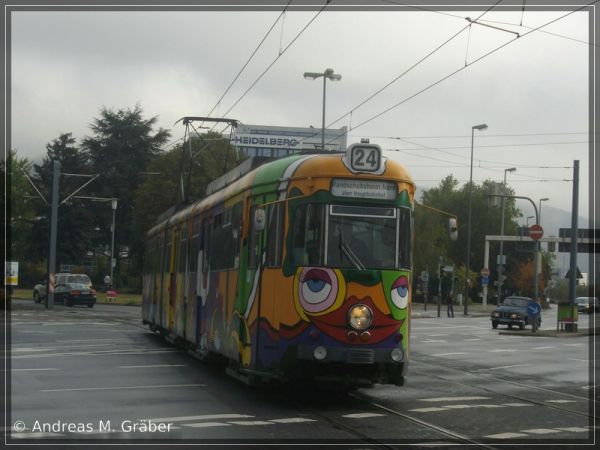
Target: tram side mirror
(259,219)
(452,228)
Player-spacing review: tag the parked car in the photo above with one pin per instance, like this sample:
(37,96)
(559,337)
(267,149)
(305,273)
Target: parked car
(513,311)
(75,294)
(39,290)
(587,304)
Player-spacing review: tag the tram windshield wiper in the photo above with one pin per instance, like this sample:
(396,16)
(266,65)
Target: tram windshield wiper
(352,256)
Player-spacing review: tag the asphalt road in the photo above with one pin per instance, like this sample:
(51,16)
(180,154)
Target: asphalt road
(98,376)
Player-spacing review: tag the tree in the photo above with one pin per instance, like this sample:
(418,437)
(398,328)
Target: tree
(122,146)
(430,236)
(20,211)
(75,217)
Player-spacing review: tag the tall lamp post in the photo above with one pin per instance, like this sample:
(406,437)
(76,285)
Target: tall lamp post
(529,217)
(333,77)
(113,205)
(501,262)
(545,199)
(480,127)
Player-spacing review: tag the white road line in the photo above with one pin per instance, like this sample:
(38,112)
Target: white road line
(433,340)
(472,339)
(157,386)
(203,417)
(580,360)
(517,405)
(206,424)
(28,349)
(507,367)
(99,353)
(35,434)
(252,423)
(151,366)
(450,399)
(506,435)
(436,335)
(573,345)
(574,429)
(32,370)
(542,348)
(503,350)
(541,431)
(450,354)
(561,401)
(362,415)
(292,420)
(432,409)
(92,340)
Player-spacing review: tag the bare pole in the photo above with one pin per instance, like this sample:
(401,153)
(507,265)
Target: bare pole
(53,230)
(574,226)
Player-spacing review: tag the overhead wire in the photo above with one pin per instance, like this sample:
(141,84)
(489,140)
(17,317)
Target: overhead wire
(462,68)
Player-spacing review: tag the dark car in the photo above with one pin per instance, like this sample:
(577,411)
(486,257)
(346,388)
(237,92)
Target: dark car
(75,294)
(587,304)
(514,311)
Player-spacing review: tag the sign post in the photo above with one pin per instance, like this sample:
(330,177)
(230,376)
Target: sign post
(485,279)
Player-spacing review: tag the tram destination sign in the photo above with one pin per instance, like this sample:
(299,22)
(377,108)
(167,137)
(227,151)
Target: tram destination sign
(377,190)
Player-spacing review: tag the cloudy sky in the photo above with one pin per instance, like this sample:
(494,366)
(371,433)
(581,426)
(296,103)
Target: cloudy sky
(531,89)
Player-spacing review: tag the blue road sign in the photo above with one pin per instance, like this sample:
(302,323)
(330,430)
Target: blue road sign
(534,308)
(485,280)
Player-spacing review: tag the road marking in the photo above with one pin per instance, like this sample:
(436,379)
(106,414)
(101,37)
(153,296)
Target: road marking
(156,386)
(437,335)
(450,354)
(541,431)
(472,339)
(206,424)
(450,399)
(35,434)
(561,401)
(517,405)
(28,349)
(99,353)
(506,435)
(203,417)
(151,366)
(32,370)
(507,367)
(432,409)
(503,350)
(543,348)
(574,429)
(433,340)
(362,415)
(252,422)
(91,340)
(580,360)
(573,345)
(292,420)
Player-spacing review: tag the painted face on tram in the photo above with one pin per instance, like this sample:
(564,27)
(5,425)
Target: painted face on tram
(352,306)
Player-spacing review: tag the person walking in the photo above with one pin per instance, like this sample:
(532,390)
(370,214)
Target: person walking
(450,302)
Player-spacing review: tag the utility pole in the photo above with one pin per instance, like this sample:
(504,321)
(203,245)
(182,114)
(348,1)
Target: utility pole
(53,226)
(574,226)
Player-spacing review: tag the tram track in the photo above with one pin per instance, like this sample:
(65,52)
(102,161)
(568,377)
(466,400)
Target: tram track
(504,380)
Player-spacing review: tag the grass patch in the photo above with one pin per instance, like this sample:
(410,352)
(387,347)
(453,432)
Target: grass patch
(120,299)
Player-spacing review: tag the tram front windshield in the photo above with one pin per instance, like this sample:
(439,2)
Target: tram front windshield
(359,237)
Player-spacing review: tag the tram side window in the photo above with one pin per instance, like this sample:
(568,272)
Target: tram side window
(195,246)
(274,234)
(404,241)
(308,229)
(225,237)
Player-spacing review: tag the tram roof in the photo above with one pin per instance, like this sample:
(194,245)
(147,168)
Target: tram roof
(265,175)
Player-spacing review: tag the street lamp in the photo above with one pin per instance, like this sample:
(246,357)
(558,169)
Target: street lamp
(480,127)
(501,262)
(529,217)
(113,205)
(333,77)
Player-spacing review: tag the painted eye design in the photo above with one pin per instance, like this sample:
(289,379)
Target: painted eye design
(400,292)
(317,289)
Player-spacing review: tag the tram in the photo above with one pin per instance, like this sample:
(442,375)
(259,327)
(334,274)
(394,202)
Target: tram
(298,269)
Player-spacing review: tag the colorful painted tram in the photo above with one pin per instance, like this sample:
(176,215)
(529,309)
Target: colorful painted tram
(299,268)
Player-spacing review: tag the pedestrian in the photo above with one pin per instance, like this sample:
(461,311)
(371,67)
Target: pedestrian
(106,283)
(450,302)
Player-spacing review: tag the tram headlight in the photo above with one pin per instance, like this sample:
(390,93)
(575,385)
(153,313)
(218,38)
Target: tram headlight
(397,354)
(360,317)
(320,353)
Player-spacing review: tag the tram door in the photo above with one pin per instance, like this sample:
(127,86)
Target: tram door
(270,296)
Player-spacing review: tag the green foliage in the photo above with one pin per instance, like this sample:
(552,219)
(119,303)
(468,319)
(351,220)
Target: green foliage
(213,156)
(21,211)
(122,146)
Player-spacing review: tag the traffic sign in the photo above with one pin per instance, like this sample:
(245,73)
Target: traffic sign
(485,281)
(500,269)
(536,232)
(485,272)
(533,308)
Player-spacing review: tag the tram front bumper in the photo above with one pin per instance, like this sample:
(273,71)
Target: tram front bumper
(351,355)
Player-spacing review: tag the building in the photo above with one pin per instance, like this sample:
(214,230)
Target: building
(277,142)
